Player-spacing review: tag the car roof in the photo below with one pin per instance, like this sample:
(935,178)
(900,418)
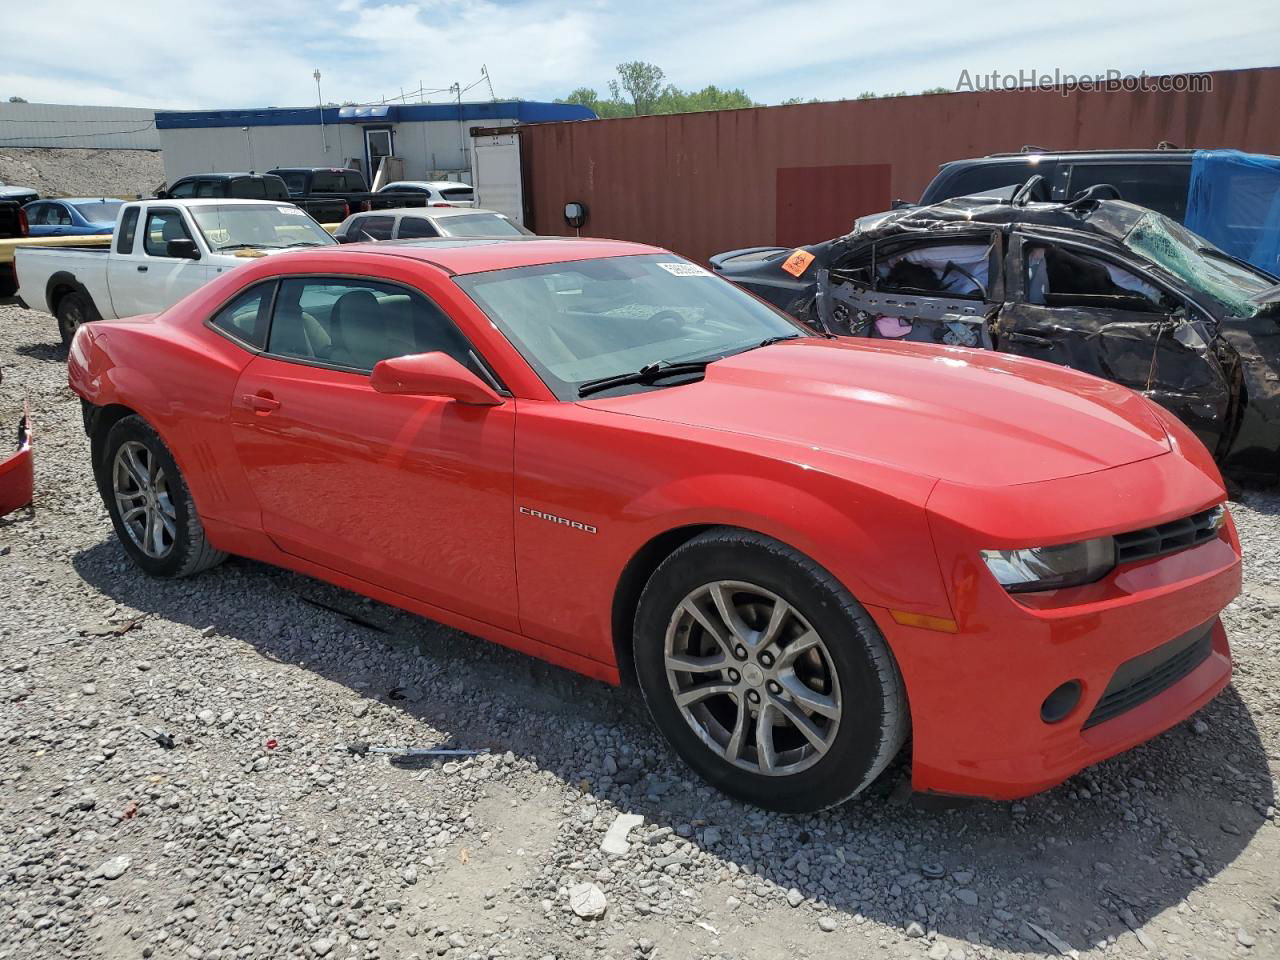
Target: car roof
(432,212)
(312,169)
(221,201)
(223,175)
(439,184)
(87,199)
(477,255)
(1037,156)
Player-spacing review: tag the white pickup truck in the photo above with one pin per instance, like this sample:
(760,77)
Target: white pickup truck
(160,251)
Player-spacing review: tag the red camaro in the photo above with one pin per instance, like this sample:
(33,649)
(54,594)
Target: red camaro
(804,549)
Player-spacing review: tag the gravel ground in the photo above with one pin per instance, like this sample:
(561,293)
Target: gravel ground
(73,172)
(253,837)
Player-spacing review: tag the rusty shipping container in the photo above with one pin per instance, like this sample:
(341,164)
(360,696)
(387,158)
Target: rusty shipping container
(700,183)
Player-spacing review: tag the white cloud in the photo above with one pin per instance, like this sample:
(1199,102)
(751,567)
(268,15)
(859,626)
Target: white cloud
(149,53)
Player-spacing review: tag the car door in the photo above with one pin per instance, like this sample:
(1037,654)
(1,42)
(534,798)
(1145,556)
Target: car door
(1092,310)
(939,287)
(411,493)
(148,280)
(37,220)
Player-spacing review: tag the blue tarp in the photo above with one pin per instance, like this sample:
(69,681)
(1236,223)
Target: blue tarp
(1234,202)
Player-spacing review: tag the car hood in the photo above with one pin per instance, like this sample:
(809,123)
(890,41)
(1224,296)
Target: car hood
(967,416)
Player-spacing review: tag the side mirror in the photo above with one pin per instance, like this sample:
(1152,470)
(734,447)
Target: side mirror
(182,249)
(432,375)
(575,214)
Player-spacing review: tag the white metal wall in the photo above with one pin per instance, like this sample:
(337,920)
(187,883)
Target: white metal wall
(427,147)
(64,125)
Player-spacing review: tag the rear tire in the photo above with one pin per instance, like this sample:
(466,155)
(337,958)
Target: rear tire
(150,505)
(795,651)
(74,309)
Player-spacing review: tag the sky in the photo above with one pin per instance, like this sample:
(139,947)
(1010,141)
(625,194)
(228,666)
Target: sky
(150,53)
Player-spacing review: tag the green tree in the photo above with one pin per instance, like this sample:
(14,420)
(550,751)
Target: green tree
(642,83)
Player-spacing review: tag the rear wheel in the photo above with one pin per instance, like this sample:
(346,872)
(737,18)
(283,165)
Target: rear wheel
(765,674)
(150,505)
(73,310)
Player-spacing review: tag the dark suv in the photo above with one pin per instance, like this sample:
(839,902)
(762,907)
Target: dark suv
(1156,179)
(252,186)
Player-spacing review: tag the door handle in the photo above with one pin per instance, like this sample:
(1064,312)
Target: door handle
(260,402)
(142,268)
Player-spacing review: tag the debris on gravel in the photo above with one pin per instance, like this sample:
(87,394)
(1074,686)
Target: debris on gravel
(173,787)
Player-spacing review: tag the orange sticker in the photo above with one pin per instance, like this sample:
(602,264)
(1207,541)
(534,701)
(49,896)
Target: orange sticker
(798,262)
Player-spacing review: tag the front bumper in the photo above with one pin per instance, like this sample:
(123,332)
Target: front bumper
(1145,644)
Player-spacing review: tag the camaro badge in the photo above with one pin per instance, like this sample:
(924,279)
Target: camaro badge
(584,527)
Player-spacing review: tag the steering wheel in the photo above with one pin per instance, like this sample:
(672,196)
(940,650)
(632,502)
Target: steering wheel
(670,317)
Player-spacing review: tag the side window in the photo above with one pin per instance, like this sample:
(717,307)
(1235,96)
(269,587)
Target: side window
(353,183)
(57,215)
(372,228)
(210,188)
(275,188)
(981,177)
(1059,277)
(36,213)
(184,189)
(416,227)
(356,323)
(249,188)
(1161,187)
(128,229)
(940,269)
(245,317)
(323,181)
(163,226)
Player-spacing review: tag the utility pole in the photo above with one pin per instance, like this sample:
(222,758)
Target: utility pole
(462,129)
(324,141)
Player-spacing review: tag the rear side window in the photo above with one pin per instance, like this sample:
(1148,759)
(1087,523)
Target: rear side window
(250,188)
(128,228)
(245,318)
(417,228)
(1161,187)
(973,181)
(185,189)
(211,188)
(295,182)
(371,228)
(353,182)
(356,323)
(457,193)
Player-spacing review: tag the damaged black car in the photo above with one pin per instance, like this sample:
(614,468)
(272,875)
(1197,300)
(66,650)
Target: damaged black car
(1099,285)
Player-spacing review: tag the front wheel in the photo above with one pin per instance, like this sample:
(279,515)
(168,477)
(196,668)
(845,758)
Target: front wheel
(150,505)
(765,674)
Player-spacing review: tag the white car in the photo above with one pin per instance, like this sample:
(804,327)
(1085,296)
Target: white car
(418,223)
(161,250)
(438,192)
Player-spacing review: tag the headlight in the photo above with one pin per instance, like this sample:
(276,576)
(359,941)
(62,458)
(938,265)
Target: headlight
(1051,568)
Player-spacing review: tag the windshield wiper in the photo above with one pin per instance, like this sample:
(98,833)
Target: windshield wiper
(247,246)
(304,243)
(770,340)
(646,374)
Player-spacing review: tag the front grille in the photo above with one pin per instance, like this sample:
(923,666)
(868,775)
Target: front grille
(1167,537)
(1138,680)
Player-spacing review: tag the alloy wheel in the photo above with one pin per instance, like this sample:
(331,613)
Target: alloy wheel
(142,496)
(752,678)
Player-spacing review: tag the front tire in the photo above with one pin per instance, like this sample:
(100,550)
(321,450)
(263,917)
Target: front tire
(150,505)
(765,674)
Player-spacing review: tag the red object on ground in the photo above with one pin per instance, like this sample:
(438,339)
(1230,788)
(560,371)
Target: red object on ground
(892,465)
(17,473)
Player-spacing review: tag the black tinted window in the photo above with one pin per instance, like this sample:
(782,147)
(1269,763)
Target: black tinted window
(353,182)
(356,323)
(211,188)
(371,228)
(183,189)
(973,181)
(416,227)
(295,182)
(1161,187)
(245,317)
(128,229)
(326,181)
(250,188)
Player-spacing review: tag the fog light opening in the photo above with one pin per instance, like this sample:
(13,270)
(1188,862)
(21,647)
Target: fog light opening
(1061,702)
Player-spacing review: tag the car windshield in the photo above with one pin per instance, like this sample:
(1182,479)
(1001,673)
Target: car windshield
(1199,263)
(261,225)
(100,211)
(587,320)
(479,225)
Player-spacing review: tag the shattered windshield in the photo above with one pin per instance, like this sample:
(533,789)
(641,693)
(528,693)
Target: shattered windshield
(1199,263)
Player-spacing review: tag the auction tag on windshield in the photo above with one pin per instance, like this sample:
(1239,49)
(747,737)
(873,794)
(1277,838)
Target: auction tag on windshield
(292,211)
(798,262)
(684,269)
